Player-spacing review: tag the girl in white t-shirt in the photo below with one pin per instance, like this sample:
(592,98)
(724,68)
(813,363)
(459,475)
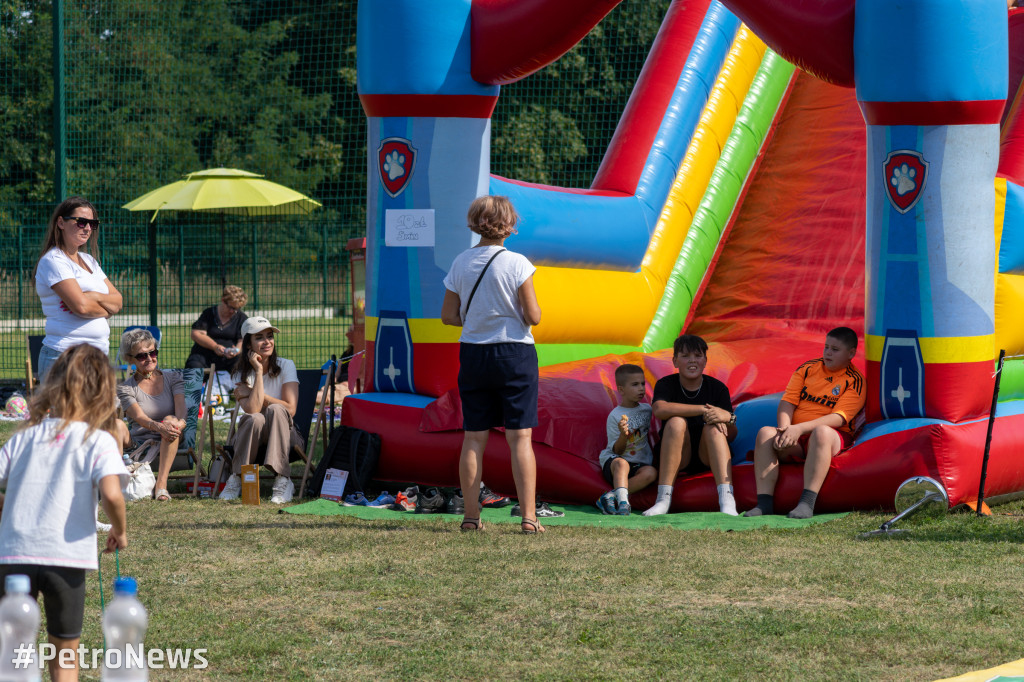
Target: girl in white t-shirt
(489,293)
(52,468)
(76,295)
(267,390)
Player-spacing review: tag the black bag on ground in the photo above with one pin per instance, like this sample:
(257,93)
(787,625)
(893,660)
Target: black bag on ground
(352,450)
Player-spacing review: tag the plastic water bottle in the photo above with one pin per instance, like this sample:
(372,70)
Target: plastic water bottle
(19,628)
(124,627)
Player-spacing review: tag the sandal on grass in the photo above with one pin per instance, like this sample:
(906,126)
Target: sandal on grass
(531,527)
(471,524)
(162,495)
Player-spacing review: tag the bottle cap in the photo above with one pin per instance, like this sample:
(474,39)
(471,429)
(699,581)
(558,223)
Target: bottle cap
(17,583)
(126,586)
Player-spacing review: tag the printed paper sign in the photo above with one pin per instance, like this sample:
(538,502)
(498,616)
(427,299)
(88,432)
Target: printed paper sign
(409,227)
(334,484)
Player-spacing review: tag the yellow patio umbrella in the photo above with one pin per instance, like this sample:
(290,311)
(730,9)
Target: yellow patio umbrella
(224,190)
(219,190)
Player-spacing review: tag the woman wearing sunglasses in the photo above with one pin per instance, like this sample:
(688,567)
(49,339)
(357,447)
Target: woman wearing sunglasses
(155,402)
(77,297)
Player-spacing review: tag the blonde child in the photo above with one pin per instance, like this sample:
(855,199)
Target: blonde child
(52,468)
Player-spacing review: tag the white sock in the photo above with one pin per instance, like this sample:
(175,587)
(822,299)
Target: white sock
(661,505)
(726,501)
(621,495)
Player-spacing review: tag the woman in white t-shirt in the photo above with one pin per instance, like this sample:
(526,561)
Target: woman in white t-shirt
(267,390)
(76,295)
(489,293)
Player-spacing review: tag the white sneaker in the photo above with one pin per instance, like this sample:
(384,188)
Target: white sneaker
(284,489)
(232,489)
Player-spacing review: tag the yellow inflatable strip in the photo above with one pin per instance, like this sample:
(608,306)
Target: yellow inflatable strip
(1014,670)
(612,307)
(422,331)
(943,349)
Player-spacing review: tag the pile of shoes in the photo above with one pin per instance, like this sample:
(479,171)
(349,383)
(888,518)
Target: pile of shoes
(432,500)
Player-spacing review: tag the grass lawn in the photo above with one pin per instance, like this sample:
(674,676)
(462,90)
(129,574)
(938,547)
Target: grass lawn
(278,596)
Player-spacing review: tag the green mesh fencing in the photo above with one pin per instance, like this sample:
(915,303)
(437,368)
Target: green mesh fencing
(154,90)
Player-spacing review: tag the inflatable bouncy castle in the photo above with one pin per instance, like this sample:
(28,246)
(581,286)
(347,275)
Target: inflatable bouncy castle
(754,202)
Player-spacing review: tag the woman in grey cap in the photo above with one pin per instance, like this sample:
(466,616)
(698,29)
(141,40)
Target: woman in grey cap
(267,390)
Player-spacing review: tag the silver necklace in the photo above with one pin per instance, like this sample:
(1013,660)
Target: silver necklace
(695,393)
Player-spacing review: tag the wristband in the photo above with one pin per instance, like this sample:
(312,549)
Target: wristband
(732,418)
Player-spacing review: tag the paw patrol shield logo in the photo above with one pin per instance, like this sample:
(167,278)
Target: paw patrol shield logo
(905,173)
(396,160)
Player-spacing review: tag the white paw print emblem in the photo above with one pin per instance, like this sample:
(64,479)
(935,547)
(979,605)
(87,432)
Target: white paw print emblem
(394,165)
(903,179)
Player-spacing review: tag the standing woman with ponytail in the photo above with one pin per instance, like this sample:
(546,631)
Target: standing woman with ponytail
(76,295)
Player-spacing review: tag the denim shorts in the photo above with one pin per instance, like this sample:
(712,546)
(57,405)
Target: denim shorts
(47,356)
(498,385)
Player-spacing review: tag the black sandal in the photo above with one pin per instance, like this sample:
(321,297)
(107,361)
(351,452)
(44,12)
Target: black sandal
(471,525)
(531,527)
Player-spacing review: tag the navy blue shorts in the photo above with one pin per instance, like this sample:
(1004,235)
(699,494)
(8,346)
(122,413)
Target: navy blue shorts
(498,385)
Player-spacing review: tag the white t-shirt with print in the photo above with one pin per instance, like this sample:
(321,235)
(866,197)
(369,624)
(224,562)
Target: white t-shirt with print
(64,329)
(52,478)
(496,315)
(638,446)
(272,385)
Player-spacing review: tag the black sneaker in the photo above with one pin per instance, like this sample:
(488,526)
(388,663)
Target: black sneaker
(430,501)
(456,505)
(543,511)
(491,499)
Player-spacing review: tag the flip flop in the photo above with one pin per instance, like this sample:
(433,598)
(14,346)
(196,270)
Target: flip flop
(162,495)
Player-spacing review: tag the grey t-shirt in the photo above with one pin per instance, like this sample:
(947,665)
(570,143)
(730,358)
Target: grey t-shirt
(156,407)
(638,446)
(496,315)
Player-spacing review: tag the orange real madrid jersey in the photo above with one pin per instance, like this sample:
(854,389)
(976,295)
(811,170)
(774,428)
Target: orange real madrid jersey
(816,392)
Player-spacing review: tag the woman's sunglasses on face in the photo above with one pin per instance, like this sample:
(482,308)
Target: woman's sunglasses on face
(151,355)
(91,223)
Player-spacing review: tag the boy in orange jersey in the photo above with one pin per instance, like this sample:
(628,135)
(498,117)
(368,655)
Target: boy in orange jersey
(815,415)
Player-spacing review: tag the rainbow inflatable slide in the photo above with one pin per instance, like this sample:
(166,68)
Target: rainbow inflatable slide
(741,198)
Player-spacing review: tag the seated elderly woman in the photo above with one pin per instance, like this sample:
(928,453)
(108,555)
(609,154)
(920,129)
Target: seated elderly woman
(217,334)
(155,403)
(267,390)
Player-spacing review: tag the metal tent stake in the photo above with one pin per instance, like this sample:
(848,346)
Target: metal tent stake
(988,437)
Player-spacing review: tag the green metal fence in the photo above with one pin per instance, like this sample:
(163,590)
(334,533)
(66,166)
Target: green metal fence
(117,98)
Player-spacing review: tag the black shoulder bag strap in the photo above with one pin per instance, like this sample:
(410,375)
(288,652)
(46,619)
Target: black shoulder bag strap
(473,293)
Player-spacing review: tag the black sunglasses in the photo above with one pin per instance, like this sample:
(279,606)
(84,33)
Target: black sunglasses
(84,222)
(151,355)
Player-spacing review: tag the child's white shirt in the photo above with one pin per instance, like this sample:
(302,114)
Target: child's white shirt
(52,480)
(638,446)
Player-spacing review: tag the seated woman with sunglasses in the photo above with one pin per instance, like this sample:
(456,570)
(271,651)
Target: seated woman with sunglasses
(217,334)
(267,390)
(155,402)
(77,297)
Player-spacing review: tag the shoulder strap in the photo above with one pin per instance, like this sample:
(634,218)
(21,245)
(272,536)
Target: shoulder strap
(473,292)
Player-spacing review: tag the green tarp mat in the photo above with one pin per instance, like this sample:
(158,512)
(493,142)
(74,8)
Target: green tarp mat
(574,516)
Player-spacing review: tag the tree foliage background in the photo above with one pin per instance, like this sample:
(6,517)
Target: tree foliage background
(154,90)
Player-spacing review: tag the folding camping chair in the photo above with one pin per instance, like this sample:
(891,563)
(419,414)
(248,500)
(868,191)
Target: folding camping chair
(33,344)
(309,384)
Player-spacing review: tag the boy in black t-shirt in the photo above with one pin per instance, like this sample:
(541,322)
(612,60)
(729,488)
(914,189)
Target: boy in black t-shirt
(697,424)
